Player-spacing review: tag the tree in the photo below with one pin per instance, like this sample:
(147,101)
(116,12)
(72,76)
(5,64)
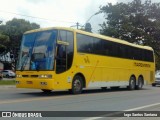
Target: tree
(14,29)
(135,22)
(4,41)
(11,36)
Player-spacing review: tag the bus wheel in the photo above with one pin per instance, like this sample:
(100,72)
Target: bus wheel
(140,83)
(77,85)
(46,91)
(132,83)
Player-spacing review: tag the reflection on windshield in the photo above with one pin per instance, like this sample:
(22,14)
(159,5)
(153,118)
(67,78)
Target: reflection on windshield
(35,63)
(25,57)
(37,51)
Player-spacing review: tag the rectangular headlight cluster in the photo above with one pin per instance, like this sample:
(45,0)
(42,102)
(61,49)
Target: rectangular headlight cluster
(18,76)
(45,76)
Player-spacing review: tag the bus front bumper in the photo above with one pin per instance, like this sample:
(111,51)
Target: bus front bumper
(35,83)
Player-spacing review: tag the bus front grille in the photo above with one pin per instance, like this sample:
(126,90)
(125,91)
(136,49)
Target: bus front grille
(34,76)
(25,75)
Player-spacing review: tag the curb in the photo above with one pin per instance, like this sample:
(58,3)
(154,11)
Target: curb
(7,86)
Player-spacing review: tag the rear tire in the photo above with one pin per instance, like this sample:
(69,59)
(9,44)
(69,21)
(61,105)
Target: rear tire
(77,85)
(132,83)
(140,83)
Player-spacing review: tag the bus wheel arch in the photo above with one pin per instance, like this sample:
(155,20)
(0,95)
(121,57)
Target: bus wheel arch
(132,82)
(140,82)
(78,83)
(84,80)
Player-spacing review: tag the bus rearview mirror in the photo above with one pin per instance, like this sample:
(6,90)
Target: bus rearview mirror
(62,43)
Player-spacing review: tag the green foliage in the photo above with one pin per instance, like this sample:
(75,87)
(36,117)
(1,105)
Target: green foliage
(11,34)
(15,29)
(4,41)
(135,22)
(7,82)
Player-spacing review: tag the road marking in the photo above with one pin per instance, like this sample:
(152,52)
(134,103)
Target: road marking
(133,109)
(29,99)
(138,108)
(93,118)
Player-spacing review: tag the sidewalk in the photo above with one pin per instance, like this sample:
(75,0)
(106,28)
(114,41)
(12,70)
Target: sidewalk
(8,79)
(7,86)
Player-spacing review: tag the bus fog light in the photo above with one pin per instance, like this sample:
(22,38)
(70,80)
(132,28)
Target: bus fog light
(43,83)
(17,82)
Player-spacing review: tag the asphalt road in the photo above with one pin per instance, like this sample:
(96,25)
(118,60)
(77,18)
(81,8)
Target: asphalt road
(13,99)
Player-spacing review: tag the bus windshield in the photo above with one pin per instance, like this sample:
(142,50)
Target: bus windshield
(37,51)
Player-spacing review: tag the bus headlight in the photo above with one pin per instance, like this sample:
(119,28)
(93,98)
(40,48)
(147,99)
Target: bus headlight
(45,76)
(18,76)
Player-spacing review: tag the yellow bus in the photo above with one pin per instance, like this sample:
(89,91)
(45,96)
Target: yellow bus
(64,58)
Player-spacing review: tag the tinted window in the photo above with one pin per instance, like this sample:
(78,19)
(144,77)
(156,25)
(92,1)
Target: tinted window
(149,55)
(65,52)
(128,52)
(109,48)
(84,43)
(63,35)
(69,49)
(97,46)
(87,44)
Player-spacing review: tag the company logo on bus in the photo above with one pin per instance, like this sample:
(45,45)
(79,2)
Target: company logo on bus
(141,64)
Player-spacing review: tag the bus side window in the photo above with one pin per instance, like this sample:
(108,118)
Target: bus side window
(61,59)
(64,52)
(60,51)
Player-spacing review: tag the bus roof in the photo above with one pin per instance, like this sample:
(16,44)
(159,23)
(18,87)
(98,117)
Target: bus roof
(92,34)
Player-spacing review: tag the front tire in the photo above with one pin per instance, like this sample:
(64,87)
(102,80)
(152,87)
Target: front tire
(132,83)
(77,85)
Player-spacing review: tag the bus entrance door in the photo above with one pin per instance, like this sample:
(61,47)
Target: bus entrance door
(61,65)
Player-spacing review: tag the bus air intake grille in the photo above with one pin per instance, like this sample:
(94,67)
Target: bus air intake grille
(34,76)
(25,76)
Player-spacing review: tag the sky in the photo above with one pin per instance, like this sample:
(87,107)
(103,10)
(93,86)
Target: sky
(50,13)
